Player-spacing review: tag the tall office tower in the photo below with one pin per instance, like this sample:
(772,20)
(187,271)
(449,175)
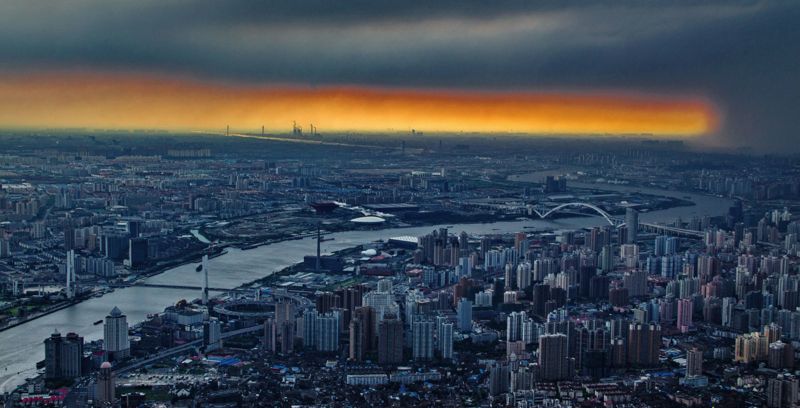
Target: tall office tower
(390,341)
(70,287)
(636,283)
(327,331)
(685,310)
(356,339)
(204,265)
(115,335)
(212,334)
(446,341)
(694,363)
(270,335)
(464,316)
(367,316)
(644,343)
(554,361)
(782,392)
(422,339)
(104,388)
(63,356)
(631,225)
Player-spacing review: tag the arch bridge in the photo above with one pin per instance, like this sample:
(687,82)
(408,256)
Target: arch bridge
(544,213)
(616,222)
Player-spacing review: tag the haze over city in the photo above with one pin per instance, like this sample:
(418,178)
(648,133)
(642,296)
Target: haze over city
(381,203)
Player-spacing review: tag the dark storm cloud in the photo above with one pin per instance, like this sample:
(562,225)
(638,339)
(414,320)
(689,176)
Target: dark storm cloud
(742,55)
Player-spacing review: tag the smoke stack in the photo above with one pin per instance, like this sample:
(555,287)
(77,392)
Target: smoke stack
(205,279)
(319,241)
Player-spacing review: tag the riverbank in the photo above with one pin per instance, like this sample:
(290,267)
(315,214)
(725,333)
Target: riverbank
(50,310)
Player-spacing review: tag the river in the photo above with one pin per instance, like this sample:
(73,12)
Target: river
(21,347)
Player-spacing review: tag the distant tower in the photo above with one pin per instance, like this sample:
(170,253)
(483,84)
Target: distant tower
(262,130)
(104,391)
(228,130)
(115,335)
(319,241)
(694,363)
(71,274)
(403,146)
(631,225)
(205,279)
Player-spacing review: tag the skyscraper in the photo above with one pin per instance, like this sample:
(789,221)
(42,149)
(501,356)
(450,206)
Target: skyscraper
(685,310)
(446,341)
(464,315)
(422,338)
(644,344)
(694,363)
(636,283)
(115,335)
(285,325)
(271,335)
(327,331)
(499,378)
(63,356)
(390,341)
(356,339)
(782,392)
(554,357)
(104,388)
(631,225)
(367,316)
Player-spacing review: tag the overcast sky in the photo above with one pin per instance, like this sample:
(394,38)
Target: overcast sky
(743,56)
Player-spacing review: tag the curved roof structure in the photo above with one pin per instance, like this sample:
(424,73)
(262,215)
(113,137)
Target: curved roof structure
(370,219)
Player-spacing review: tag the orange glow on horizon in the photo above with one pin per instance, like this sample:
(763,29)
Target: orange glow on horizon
(125,101)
